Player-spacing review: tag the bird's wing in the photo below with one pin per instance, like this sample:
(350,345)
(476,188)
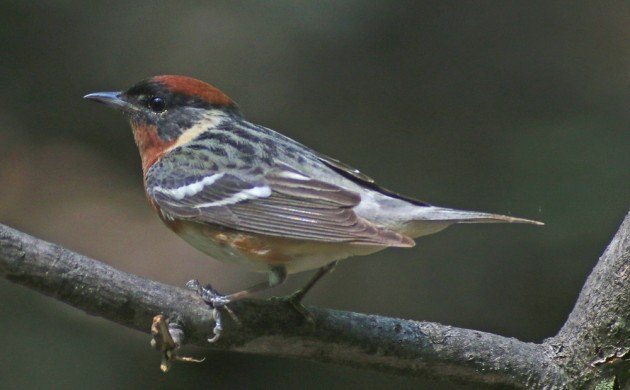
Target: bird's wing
(281,202)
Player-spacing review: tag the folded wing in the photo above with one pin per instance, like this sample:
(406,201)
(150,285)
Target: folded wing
(280,203)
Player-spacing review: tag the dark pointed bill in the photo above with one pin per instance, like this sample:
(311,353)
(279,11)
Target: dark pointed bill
(111,99)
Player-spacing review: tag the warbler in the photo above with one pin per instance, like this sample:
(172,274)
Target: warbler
(246,194)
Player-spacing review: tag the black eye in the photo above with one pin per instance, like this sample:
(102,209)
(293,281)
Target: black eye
(157,104)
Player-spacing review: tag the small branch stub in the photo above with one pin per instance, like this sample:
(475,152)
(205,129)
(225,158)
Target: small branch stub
(168,337)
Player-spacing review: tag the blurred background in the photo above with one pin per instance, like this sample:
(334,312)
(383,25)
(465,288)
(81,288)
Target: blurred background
(509,107)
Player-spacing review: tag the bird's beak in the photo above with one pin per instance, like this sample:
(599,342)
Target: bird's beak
(111,99)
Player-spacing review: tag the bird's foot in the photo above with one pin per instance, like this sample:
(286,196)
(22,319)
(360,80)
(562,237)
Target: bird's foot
(209,295)
(295,301)
(216,301)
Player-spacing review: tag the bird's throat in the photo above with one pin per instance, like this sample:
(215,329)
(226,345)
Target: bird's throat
(150,145)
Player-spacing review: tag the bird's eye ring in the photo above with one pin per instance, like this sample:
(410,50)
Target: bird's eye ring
(157,104)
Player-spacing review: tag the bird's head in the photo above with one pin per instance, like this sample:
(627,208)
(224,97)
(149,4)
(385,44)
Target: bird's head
(165,111)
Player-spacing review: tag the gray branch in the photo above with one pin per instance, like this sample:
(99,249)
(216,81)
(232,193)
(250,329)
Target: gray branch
(591,349)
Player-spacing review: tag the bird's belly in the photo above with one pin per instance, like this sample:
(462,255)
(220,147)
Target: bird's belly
(259,253)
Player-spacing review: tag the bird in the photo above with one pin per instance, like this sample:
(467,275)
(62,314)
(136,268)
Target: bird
(245,194)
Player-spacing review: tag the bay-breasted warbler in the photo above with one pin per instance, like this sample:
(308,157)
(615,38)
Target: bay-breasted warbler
(248,195)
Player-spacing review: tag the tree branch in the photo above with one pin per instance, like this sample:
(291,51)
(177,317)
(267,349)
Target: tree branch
(592,345)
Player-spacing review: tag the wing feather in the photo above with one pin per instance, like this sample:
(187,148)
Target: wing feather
(281,203)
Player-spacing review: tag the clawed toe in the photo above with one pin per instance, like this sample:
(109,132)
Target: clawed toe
(209,295)
(216,301)
(193,285)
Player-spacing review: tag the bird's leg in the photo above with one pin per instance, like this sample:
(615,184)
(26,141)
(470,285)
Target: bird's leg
(277,275)
(295,299)
(298,295)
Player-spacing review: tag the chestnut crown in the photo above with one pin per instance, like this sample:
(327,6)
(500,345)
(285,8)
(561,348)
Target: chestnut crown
(160,93)
(170,103)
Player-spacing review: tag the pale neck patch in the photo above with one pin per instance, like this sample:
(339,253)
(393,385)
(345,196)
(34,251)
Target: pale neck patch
(212,119)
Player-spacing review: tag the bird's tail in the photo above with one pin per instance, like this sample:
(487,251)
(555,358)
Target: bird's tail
(460,216)
(429,220)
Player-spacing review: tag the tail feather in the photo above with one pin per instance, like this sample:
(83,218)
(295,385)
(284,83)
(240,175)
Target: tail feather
(461,216)
(423,221)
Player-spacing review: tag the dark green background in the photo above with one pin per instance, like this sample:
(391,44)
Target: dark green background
(516,107)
